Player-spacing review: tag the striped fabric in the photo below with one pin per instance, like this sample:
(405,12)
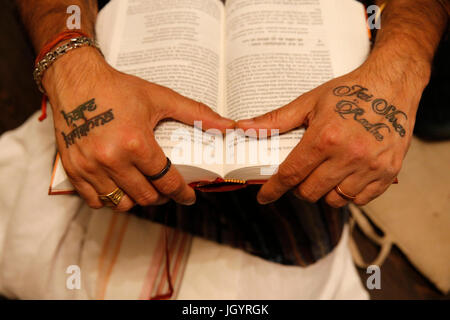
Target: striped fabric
(289,231)
(116,261)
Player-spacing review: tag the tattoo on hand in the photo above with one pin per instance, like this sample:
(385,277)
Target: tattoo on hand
(78,112)
(379,106)
(88,124)
(345,107)
(390,112)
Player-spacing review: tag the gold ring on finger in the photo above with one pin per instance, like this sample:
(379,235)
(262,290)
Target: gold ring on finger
(343,194)
(112,199)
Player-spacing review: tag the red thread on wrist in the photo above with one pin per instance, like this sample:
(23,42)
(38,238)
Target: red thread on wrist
(65,35)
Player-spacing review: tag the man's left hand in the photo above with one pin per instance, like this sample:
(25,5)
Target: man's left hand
(358,130)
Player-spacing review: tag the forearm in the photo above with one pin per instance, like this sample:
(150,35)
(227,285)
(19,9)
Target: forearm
(45,18)
(409,36)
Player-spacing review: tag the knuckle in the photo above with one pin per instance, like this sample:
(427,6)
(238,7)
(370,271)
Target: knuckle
(273,116)
(134,145)
(357,152)
(87,166)
(74,177)
(375,165)
(392,170)
(201,108)
(71,173)
(70,169)
(306,193)
(94,204)
(106,156)
(287,174)
(359,201)
(147,198)
(336,203)
(396,167)
(172,186)
(330,137)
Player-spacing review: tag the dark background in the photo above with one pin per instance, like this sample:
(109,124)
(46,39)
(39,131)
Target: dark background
(19,98)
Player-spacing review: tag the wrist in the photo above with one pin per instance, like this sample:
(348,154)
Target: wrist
(407,71)
(72,70)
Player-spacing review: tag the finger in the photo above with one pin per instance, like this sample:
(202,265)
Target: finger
(188,111)
(103,185)
(302,160)
(335,200)
(352,186)
(322,180)
(284,119)
(137,187)
(372,191)
(172,183)
(83,188)
(192,111)
(87,192)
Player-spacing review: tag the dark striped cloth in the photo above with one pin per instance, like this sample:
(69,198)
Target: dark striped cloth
(289,231)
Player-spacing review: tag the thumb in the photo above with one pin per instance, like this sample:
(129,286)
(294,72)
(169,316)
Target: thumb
(187,111)
(284,119)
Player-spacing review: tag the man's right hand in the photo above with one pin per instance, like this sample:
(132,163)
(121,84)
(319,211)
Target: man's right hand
(123,151)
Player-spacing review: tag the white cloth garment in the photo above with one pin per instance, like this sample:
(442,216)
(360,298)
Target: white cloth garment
(41,235)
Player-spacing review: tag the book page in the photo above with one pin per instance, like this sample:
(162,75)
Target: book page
(347,34)
(177,44)
(277,50)
(105,27)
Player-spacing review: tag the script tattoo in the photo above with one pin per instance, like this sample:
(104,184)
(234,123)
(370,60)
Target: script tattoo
(390,112)
(345,107)
(379,106)
(83,129)
(78,112)
(356,90)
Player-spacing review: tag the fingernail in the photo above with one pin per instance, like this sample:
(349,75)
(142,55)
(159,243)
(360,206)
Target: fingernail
(263,201)
(189,202)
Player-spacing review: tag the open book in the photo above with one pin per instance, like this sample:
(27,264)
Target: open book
(242,59)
